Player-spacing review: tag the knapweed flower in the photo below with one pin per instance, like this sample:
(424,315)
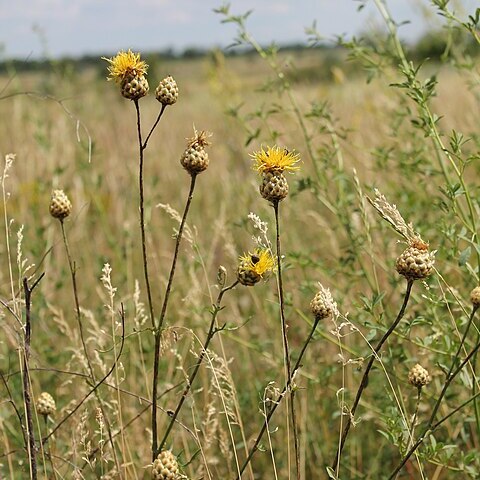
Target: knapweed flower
(127,69)
(275,160)
(271,163)
(252,267)
(416,262)
(60,205)
(195,158)
(46,404)
(418,376)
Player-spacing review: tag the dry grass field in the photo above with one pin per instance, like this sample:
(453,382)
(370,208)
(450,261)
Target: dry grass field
(72,130)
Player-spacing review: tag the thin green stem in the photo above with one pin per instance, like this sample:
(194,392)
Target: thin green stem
(364,381)
(286,349)
(158,328)
(141,148)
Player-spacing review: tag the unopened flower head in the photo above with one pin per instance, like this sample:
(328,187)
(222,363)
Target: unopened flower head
(252,267)
(125,64)
(275,160)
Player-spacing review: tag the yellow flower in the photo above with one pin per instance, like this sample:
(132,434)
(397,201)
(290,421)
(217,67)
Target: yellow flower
(260,261)
(275,159)
(253,266)
(125,63)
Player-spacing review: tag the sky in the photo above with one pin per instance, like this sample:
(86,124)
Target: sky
(57,28)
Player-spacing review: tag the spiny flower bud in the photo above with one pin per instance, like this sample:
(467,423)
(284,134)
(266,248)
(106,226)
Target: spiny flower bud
(252,267)
(418,376)
(60,205)
(195,159)
(167,91)
(46,404)
(475,297)
(165,467)
(416,262)
(322,304)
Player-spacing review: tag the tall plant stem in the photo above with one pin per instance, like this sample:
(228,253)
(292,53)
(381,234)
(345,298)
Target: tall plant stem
(141,148)
(452,373)
(211,333)
(286,349)
(364,381)
(158,328)
(27,396)
(277,402)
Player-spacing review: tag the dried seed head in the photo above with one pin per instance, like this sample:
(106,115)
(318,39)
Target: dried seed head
(322,304)
(60,205)
(416,262)
(46,404)
(475,297)
(165,467)
(274,186)
(195,159)
(418,376)
(167,91)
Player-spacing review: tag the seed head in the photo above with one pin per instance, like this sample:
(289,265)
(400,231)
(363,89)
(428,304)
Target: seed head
(60,205)
(46,404)
(125,64)
(275,160)
(419,376)
(322,304)
(195,158)
(167,91)
(165,467)
(475,297)
(252,267)
(416,262)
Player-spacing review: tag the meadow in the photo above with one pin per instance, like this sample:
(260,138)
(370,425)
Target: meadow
(361,117)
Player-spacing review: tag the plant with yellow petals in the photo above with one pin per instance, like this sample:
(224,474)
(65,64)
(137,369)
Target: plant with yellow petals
(254,266)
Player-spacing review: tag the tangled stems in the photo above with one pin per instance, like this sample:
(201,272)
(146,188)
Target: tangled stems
(364,382)
(452,373)
(277,402)
(211,333)
(158,328)
(286,350)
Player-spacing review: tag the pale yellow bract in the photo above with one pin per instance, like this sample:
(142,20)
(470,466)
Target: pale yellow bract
(125,63)
(260,261)
(275,159)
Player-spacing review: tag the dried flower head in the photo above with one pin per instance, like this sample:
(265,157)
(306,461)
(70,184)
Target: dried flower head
(275,160)
(195,158)
(252,267)
(475,297)
(322,305)
(60,205)
(125,64)
(45,404)
(416,262)
(418,376)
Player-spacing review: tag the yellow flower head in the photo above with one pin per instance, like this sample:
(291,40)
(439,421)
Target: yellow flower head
(275,159)
(125,63)
(259,262)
